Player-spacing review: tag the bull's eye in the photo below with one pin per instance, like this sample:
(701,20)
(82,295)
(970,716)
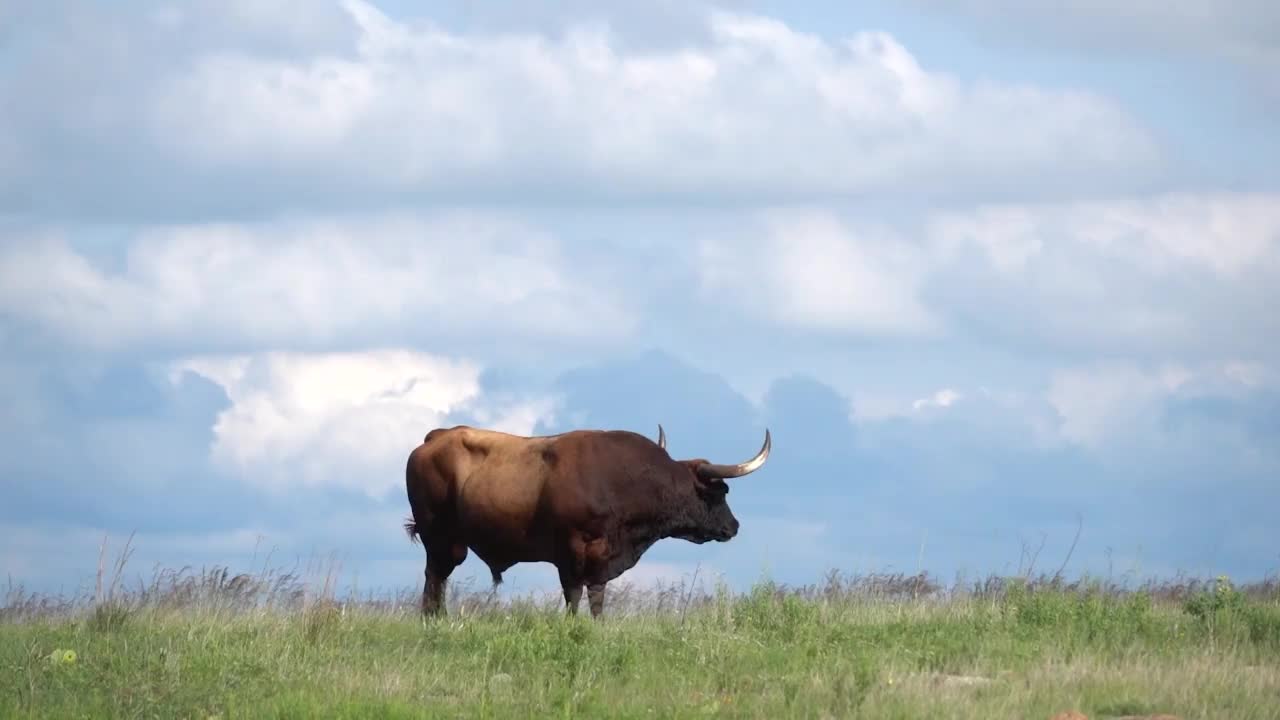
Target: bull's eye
(714,489)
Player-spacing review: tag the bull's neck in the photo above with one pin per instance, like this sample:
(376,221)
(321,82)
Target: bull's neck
(660,516)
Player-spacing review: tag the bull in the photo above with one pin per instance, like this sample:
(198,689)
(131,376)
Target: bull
(590,502)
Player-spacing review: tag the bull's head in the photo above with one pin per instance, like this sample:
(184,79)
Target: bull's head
(707,515)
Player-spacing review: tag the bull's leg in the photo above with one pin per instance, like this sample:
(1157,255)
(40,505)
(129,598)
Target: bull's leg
(595,598)
(571,584)
(433,590)
(442,558)
(572,596)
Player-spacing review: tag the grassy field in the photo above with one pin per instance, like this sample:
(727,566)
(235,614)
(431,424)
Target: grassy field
(213,645)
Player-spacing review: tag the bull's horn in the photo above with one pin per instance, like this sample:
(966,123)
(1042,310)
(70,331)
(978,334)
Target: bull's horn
(662,437)
(712,470)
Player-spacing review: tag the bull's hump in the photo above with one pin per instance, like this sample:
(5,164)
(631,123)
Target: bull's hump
(441,432)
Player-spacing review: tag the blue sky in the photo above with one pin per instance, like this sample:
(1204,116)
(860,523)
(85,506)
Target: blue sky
(983,268)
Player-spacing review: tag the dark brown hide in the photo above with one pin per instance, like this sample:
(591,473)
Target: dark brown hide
(589,501)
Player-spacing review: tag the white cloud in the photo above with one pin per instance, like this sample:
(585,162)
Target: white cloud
(943,398)
(1112,403)
(1187,273)
(1096,403)
(817,273)
(412,107)
(1229,234)
(1167,273)
(296,282)
(341,419)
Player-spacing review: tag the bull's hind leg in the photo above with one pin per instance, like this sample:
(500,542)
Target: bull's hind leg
(442,558)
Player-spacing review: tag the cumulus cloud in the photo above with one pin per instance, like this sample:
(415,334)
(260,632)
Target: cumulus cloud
(343,419)
(1097,402)
(293,283)
(1229,234)
(818,273)
(1188,275)
(1157,275)
(1119,405)
(413,109)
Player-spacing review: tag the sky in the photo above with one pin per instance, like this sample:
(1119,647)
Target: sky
(990,272)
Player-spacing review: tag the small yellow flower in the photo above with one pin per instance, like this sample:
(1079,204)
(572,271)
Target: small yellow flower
(62,657)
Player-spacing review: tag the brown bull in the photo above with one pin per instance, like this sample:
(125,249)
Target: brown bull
(589,502)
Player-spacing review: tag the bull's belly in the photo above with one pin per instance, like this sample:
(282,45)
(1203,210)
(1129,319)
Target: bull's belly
(501,545)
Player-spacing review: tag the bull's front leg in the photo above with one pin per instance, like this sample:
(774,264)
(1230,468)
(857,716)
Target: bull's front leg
(571,584)
(595,598)
(572,596)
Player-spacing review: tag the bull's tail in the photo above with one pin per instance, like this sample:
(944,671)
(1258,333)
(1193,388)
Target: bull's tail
(411,528)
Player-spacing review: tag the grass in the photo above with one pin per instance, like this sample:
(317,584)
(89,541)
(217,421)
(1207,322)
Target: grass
(213,644)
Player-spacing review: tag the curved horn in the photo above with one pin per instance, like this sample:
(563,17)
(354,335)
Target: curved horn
(662,437)
(711,471)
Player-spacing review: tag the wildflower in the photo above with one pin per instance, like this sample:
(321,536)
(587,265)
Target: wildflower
(62,657)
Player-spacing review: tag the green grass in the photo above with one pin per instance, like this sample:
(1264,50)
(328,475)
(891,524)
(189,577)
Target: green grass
(1210,652)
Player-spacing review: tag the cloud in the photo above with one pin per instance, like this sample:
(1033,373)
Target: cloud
(113,445)
(819,274)
(944,398)
(659,388)
(230,122)
(301,420)
(1149,276)
(308,283)
(1229,234)
(1186,275)
(975,477)
(1098,402)
(1190,433)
